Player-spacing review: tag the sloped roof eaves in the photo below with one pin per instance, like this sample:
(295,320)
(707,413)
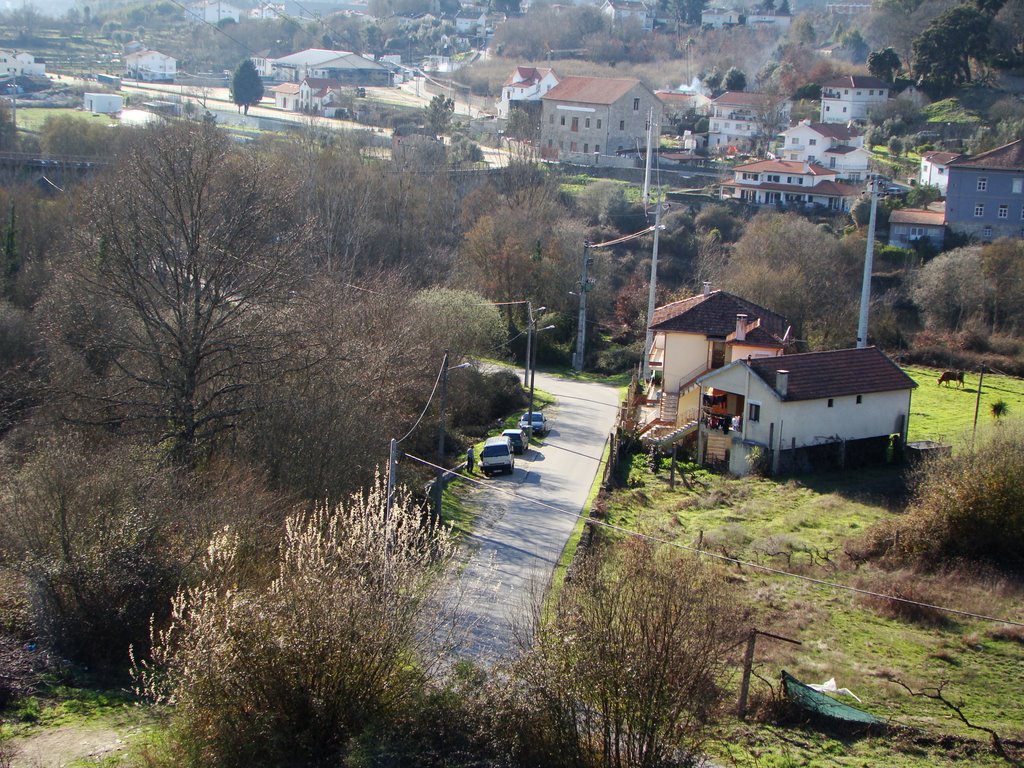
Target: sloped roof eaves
(837,373)
(715,316)
(917,216)
(1009,157)
(940,158)
(591,90)
(856,81)
(824,188)
(784,166)
(740,98)
(310,57)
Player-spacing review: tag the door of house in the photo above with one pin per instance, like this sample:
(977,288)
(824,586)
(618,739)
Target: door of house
(717,354)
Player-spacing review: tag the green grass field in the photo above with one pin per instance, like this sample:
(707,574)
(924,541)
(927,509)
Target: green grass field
(801,525)
(946,414)
(32,119)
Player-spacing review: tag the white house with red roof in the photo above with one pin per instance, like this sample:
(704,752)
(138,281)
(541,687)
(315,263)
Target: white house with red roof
(935,169)
(851,97)
(817,410)
(739,118)
(526,85)
(586,118)
(837,147)
(311,95)
(789,183)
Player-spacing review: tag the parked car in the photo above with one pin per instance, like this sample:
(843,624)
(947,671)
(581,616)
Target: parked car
(497,456)
(540,422)
(518,439)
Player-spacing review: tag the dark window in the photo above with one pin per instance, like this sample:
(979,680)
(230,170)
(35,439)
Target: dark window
(754,413)
(563,120)
(586,123)
(599,123)
(575,124)
(830,402)
(860,399)
(586,147)
(622,125)
(597,148)
(636,104)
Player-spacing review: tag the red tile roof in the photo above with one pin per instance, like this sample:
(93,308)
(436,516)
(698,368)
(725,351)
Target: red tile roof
(856,81)
(1009,157)
(591,90)
(940,158)
(740,98)
(528,76)
(836,131)
(917,216)
(714,315)
(840,372)
(785,166)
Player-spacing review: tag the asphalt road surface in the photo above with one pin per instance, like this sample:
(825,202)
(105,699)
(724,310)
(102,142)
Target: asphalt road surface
(508,559)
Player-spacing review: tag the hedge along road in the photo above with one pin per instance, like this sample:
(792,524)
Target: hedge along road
(509,557)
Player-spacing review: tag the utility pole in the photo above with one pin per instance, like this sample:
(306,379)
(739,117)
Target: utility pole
(581,330)
(869,257)
(389,501)
(977,403)
(439,477)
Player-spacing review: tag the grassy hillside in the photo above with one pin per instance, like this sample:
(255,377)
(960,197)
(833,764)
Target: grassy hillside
(803,526)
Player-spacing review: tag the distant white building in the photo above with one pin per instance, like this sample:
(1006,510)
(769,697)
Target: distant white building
(267,11)
(344,66)
(212,12)
(935,169)
(782,21)
(103,103)
(526,85)
(17,63)
(838,148)
(851,97)
(739,118)
(263,63)
(716,18)
(151,66)
(625,11)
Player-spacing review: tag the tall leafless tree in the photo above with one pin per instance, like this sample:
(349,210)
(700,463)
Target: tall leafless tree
(188,251)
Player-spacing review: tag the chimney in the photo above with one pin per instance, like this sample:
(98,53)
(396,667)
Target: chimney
(707,287)
(782,382)
(741,327)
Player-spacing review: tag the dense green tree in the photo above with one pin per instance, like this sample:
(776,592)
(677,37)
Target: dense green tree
(884,64)
(684,11)
(439,113)
(246,86)
(734,80)
(855,46)
(943,53)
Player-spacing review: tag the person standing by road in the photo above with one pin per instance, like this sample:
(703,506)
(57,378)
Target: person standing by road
(469,460)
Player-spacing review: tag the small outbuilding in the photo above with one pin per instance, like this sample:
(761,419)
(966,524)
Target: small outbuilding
(103,103)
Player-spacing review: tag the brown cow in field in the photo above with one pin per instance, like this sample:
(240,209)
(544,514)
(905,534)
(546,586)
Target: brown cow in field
(948,376)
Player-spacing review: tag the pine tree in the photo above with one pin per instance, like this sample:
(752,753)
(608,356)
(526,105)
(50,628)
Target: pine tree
(246,86)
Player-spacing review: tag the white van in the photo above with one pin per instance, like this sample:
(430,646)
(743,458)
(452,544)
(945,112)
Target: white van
(497,456)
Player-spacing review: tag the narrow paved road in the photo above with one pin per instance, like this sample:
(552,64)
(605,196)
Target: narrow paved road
(515,544)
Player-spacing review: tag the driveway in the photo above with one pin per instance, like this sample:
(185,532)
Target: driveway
(515,544)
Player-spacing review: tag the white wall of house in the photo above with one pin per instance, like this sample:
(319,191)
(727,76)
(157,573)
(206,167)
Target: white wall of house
(935,174)
(151,65)
(20,63)
(525,92)
(842,104)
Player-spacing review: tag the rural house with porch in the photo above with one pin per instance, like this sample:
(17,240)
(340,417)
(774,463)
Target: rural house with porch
(797,413)
(697,335)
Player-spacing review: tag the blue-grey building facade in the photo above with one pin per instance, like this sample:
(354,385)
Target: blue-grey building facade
(985,196)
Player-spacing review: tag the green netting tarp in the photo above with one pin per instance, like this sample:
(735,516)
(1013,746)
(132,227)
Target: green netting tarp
(823,705)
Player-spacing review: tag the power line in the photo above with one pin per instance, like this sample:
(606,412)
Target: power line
(736,561)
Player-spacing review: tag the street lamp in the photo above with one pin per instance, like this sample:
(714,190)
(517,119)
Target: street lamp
(531,321)
(439,481)
(533,373)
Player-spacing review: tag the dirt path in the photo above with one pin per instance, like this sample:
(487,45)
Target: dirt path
(64,745)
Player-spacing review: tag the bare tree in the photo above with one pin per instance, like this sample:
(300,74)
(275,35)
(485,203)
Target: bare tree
(771,115)
(628,672)
(188,251)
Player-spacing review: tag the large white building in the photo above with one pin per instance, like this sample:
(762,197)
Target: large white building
(839,148)
(789,183)
(151,66)
(213,11)
(851,97)
(344,66)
